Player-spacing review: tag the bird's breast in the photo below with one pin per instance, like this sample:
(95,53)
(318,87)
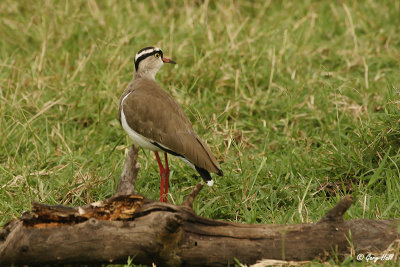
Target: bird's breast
(137,138)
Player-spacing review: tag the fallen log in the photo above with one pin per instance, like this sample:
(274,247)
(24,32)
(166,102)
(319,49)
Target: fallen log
(130,225)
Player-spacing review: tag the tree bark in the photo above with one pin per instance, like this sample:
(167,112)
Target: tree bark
(130,225)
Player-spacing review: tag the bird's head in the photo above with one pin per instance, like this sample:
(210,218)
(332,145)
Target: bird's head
(149,60)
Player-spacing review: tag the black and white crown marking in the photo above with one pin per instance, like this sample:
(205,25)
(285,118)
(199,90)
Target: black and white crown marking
(144,53)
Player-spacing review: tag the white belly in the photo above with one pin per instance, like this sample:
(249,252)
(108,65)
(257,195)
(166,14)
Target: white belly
(138,139)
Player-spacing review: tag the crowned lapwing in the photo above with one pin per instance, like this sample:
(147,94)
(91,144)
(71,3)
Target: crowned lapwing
(154,120)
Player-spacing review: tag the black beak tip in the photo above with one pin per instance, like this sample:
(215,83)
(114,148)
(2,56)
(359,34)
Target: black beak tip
(167,60)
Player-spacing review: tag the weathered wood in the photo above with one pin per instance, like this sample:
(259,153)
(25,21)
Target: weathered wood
(147,231)
(127,180)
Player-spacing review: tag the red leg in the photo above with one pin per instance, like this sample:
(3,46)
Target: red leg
(166,177)
(161,175)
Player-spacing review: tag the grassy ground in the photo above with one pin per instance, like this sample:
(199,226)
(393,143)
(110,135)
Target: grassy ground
(299,101)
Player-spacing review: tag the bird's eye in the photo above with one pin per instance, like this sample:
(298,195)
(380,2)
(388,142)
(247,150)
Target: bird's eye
(157,55)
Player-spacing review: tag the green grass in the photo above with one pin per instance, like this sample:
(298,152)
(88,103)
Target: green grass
(298,101)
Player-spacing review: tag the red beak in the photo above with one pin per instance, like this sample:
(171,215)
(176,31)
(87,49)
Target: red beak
(167,60)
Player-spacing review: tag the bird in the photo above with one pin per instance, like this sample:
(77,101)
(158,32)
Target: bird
(154,120)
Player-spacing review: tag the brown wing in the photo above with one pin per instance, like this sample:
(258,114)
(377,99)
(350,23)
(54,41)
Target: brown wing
(153,113)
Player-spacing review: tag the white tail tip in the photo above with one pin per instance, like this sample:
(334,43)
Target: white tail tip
(210,183)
